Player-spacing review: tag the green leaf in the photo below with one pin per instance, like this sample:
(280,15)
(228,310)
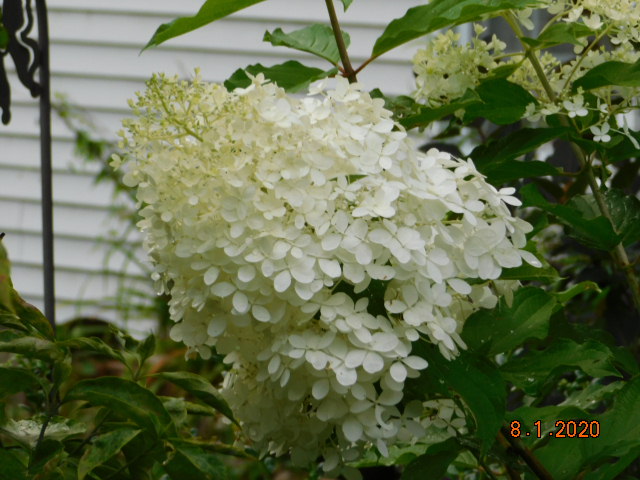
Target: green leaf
(210,11)
(102,448)
(530,371)
(494,105)
(346,4)
(12,468)
(93,344)
(559,33)
(426,115)
(610,73)
(31,316)
(514,145)
(419,21)
(611,471)
(125,398)
(596,232)
(473,378)
(146,348)
(32,347)
(291,75)
(195,463)
(4,37)
(508,170)
(14,380)
(11,303)
(625,213)
(526,272)
(316,39)
(402,106)
(506,327)
(564,297)
(199,388)
(591,396)
(432,465)
(619,437)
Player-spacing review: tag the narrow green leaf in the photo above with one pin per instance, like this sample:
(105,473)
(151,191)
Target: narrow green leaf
(15,380)
(102,448)
(432,465)
(125,398)
(596,232)
(210,11)
(12,468)
(559,33)
(493,104)
(291,75)
(507,327)
(316,39)
(93,344)
(473,378)
(199,388)
(419,21)
(564,297)
(610,73)
(31,316)
(11,303)
(5,281)
(146,348)
(531,370)
(32,347)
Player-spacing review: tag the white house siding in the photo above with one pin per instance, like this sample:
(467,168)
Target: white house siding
(96,63)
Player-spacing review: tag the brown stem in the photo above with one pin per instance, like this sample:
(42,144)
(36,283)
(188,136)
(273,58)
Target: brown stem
(349,72)
(528,457)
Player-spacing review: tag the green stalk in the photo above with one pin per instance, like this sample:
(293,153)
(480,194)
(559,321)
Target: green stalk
(619,254)
(349,72)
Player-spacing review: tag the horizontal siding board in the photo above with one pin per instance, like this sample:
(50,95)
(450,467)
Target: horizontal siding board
(71,219)
(78,255)
(367,12)
(23,184)
(24,152)
(74,286)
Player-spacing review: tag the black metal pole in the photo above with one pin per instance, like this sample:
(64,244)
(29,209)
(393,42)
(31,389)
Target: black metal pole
(45,164)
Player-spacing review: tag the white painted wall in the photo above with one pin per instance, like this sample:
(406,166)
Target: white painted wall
(96,63)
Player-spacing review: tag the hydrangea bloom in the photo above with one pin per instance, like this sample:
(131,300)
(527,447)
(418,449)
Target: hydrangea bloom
(445,69)
(308,242)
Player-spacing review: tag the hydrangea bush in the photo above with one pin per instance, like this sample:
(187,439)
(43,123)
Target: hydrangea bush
(308,241)
(364,293)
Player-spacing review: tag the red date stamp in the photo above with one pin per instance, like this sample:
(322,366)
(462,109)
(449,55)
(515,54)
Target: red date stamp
(563,429)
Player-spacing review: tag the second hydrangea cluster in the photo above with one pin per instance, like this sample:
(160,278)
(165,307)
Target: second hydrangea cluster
(310,243)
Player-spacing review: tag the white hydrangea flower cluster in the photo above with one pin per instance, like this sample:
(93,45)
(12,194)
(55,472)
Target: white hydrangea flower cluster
(445,69)
(311,244)
(620,18)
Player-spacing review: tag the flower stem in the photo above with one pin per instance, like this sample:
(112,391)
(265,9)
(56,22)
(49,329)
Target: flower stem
(619,254)
(349,72)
